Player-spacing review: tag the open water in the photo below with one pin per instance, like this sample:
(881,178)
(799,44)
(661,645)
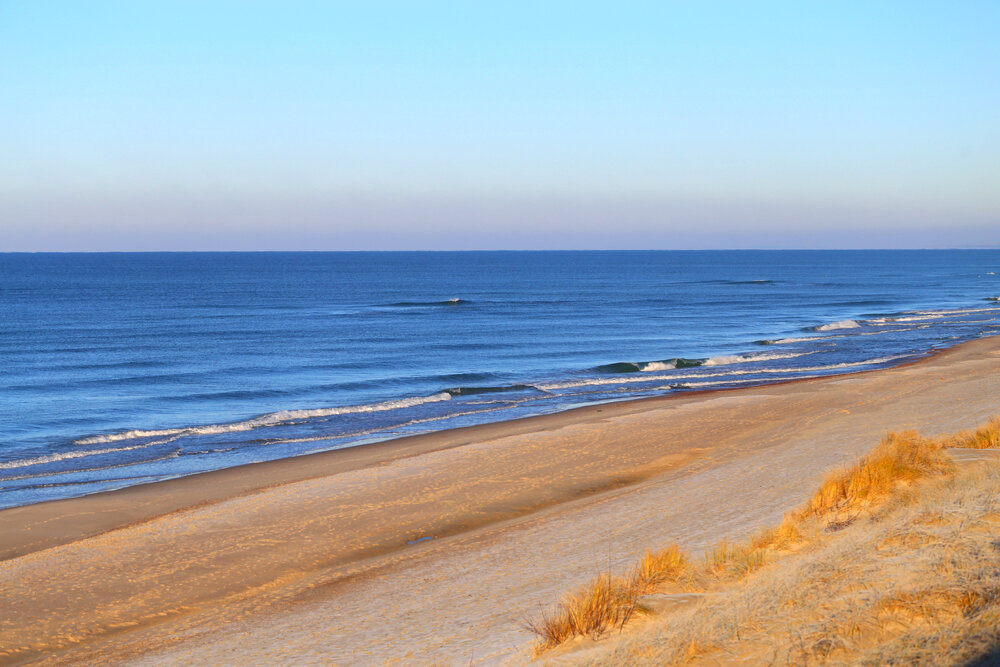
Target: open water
(119,369)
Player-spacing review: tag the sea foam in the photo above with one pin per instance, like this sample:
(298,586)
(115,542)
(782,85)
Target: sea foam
(639,379)
(62,456)
(271,419)
(727,359)
(658,366)
(833,326)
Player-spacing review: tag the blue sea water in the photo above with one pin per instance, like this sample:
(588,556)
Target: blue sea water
(120,369)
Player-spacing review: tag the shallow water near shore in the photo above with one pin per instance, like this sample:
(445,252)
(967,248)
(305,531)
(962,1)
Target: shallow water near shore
(127,368)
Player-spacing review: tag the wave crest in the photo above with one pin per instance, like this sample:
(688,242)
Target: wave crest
(700,375)
(784,341)
(648,366)
(727,359)
(469,391)
(833,326)
(271,419)
(62,456)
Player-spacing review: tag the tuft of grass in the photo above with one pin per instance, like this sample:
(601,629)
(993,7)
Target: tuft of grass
(606,602)
(899,458)
(986,436)
(726,560)
(786,535)
(659,567)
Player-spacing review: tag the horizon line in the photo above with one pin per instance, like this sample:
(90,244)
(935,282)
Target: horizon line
(453,250)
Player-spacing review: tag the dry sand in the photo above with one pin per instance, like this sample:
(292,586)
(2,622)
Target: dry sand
(308,561)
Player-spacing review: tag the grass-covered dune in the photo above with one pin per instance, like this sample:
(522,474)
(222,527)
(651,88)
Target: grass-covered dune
(893,560)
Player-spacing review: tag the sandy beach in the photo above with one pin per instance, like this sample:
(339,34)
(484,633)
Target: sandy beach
(437,547)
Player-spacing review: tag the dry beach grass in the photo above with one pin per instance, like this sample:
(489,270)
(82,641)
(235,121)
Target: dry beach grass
(893,560)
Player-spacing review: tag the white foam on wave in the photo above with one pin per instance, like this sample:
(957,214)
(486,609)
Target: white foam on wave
(74,471)
(957,311)
(804,339)
(62,456)
(272,419)
(846,364)
(889,321)
(658,366)
(925,315)
(988,319)
(834,326)
(724,383)
(598,382)
(380,433)
(727,359)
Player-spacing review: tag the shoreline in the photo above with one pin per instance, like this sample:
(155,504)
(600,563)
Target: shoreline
(138,503)
(517,512)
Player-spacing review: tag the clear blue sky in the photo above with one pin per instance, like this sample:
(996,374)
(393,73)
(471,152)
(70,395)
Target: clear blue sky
(384,125)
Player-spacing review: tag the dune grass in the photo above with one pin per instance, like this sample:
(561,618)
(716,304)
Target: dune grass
(900,458)
(878,488)
(606,602)
(726,560)
(986,436)
(916,585)
(660,567)
(782,537)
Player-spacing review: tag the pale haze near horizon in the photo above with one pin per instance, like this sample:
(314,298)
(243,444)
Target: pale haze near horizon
(328,126)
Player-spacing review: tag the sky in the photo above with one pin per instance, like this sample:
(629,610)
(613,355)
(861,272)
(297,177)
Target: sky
(523,125)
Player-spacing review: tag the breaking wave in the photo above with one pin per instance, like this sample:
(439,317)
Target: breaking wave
(647,366)
(784,341)
(677,363)
(727,359)
(653,366)
(833,326)
(956,311)
(62,456)
(888,321)
(271,419)
(685,378)
(469,391)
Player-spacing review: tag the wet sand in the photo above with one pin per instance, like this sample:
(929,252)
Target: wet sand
(325,559)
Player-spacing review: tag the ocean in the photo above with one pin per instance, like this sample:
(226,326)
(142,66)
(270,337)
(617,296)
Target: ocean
(126,368)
